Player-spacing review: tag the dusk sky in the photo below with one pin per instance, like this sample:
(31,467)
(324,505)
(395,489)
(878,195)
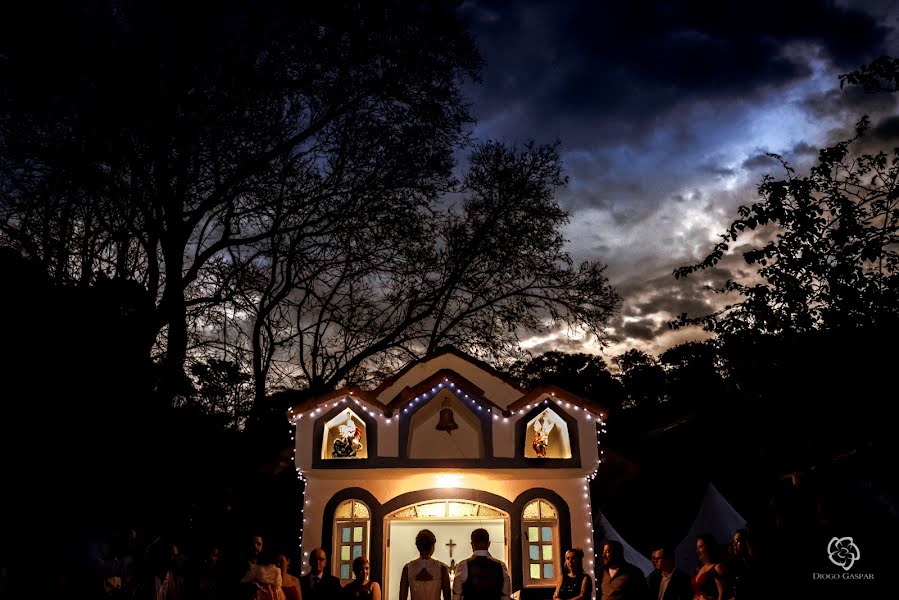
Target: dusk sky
(665,112)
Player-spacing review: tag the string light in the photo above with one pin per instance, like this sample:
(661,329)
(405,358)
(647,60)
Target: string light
(424,397)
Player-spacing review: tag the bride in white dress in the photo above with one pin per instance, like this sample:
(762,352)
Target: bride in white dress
(424,577)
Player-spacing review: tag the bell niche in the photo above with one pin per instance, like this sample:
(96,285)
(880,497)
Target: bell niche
(445,427)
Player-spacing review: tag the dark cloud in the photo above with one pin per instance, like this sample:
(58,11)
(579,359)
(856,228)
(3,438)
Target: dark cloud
(803,149)
(759,161)
(887,130)
(562,343)
(716,170)
(622,65)
(637,331)
(848,103)
(666,111)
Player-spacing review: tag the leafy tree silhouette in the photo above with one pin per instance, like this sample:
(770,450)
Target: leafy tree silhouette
(804,346)
(279,179)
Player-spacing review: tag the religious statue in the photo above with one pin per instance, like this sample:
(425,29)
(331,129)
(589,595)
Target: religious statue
(348,441)
(541,434)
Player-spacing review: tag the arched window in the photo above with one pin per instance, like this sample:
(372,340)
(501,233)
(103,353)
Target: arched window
(352,521)
(540,532)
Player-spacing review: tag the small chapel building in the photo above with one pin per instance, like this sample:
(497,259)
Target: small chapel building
(449,444)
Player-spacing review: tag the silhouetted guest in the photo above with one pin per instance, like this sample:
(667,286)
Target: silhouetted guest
(317,584)
(160,579)
(207,576)
(743,567)
(362,587)
(620,579)
(667,582)
(262,578)
(575,584)
(481,577)
(708,583)
(289,583)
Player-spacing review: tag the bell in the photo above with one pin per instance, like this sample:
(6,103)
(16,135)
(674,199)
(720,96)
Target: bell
(446,422)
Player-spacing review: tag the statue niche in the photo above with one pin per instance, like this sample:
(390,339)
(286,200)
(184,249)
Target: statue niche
(547,436)
(345,437)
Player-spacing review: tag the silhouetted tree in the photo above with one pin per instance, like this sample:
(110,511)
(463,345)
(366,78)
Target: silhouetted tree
(880,75)
(224,390)
(643,380)
(168,141)
(807,332)
(583,374)
(834,262)
(693,375)
(278,177)
(472,275)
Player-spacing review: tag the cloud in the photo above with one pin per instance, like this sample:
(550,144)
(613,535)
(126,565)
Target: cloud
(665,113)
(887,130)
(804,149)
(623,66)
(638,331)
(759,161)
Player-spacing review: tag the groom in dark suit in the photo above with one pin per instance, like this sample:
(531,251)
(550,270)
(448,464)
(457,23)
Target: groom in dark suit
(666,582)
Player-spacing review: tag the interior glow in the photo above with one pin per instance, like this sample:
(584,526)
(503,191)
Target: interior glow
(448,480)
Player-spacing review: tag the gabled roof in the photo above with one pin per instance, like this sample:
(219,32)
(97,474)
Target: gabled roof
(316,401)
(408,394)
(564,395)
(440,352)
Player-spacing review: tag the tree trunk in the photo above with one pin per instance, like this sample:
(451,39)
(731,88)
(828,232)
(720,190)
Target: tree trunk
(260,370)
(173,308)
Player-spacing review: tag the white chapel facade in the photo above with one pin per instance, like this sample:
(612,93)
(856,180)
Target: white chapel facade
(450,445)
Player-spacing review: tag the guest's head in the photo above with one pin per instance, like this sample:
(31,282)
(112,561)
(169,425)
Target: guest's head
(707,549)
(255,546)
(425,542)
(361,569)
(663,559)
(480,539)
(317,561)
(213,556)
(574,561)
(612,553)
(742,545)
(283,563)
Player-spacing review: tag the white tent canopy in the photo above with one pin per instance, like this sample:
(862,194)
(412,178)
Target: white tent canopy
(717,517)
(631,555)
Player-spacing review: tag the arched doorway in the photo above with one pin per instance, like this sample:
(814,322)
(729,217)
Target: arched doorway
(452,521)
